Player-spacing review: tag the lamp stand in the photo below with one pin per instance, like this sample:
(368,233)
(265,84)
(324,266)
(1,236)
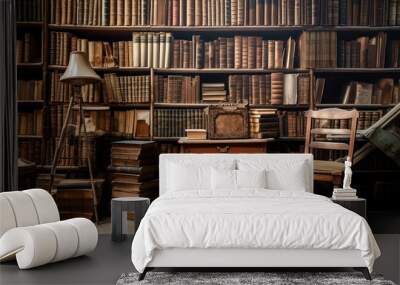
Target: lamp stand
(60,144)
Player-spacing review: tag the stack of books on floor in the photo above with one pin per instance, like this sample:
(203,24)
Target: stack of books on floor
(74,197)
(264,123)
(134,169)
(344,194)
(213,92)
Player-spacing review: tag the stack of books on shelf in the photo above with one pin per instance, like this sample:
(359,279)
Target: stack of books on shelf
(364,52)
(29,90)
(213,92)
(61,92)
(274,88)
(96,121)
(28,11)
(177,89)
(74,197)
(318,49)
(30,123)
(264,123)
(225,12)
(127,89)
(28,48)
(144,50)
(134,169)
(174,122)
(131,124)
(344,194)
(293,124)
(196,134)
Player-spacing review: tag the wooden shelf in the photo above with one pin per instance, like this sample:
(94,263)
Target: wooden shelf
(106,69)
(181,105)
(93,107)
(356,106)
(226,70)
(30,65)
(30,102)
(129,105)
(358,70)
(36,137)
(29,24)
(235,29)
(297,139)
(289,107)
(188,70)
(167,139)
(62,167)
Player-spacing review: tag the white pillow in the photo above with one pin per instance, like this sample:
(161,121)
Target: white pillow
(283,174)
(251,178)
(184,177)
(223,179)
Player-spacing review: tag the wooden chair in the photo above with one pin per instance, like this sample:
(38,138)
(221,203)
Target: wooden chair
(322,138)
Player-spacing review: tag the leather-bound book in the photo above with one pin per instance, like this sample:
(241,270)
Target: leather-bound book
(230,53)
(251,52)
(198,13)
(190,13)
(234,12)
(238,51)
(278,54)
(113,12)
(245,52)
(271,54)
(277,82)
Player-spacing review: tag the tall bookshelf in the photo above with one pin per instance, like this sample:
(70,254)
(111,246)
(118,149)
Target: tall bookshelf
(331,20)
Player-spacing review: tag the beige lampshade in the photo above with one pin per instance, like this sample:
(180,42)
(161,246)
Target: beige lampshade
(79,71)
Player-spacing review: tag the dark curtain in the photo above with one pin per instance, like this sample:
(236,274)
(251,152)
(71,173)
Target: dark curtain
(8,104)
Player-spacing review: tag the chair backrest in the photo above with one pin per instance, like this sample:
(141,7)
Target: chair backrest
(320,137)
(26,208)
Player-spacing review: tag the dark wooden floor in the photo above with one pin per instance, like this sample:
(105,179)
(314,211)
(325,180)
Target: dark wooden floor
(110,260)
(103,266)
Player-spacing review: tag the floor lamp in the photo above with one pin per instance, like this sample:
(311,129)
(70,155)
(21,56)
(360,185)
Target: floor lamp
(78,73)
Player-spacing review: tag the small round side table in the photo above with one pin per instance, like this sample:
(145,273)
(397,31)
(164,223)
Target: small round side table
(119,209)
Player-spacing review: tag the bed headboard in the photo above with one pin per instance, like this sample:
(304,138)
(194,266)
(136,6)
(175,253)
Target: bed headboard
(211,159)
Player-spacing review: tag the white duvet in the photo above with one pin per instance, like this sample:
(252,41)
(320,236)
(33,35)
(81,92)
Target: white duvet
(250,219)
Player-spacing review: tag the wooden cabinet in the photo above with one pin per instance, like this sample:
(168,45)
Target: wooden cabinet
(224,146)
(357,205)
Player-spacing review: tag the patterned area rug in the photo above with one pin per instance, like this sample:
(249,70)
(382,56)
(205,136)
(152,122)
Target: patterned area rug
(236,278)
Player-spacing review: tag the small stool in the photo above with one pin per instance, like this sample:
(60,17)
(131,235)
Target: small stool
(119,209)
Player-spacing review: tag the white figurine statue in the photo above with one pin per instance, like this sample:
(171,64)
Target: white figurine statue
(347,174)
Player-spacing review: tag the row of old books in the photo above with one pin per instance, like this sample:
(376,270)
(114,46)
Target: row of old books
(131,123)
(173,122)
(236,52)
(30,90)
(75,152)
(127,89)
(318,49)
(95,121)
(365,120)
(293,124)
(134,169)
(30,123)
(224,12)
(385,91)
(28,10)
(28,48)
(177,89)
(365,52)
(144,50)
(264,123)
(61,92)
(274,88)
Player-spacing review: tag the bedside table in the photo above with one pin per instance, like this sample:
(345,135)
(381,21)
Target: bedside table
(358,205)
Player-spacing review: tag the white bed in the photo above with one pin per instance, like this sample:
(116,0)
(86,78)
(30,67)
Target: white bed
(248,227)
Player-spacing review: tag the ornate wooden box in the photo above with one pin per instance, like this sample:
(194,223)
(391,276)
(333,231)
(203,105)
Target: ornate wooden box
(228,122)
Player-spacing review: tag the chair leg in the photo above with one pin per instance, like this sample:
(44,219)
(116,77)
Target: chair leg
(364,271)
(142,275)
